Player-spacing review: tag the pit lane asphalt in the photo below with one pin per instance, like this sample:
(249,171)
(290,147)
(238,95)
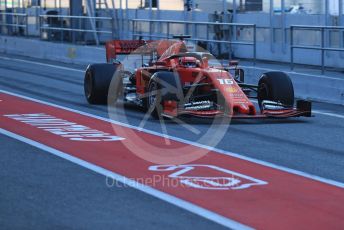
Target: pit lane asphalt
(311,145)
(42,191)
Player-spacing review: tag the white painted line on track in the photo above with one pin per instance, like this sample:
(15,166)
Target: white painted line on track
(236,155)
(293,72)
(328,114)
(316,112)
(141,187)
(42,64)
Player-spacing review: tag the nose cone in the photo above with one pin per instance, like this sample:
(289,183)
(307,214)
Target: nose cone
(244,109)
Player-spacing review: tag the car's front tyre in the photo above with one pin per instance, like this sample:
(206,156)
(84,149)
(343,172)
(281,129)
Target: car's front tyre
(276,87)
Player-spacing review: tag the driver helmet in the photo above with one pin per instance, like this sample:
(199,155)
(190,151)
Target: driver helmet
(189,62)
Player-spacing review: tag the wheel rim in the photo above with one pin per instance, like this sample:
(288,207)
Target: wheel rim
(89,85)
(152,96)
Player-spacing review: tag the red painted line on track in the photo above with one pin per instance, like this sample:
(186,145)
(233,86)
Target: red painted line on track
(286,201)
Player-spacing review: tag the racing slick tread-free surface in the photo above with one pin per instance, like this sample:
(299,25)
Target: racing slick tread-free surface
(97,81)
(276,86)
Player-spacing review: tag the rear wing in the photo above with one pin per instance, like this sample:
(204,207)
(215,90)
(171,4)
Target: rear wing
(118,47)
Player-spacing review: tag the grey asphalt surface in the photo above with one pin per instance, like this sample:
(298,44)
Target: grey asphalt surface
(311,145)
(42,191)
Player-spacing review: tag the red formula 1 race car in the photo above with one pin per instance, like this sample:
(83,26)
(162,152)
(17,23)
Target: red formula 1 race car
(168,80)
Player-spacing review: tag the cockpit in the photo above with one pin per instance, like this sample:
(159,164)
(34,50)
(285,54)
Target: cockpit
(189,62)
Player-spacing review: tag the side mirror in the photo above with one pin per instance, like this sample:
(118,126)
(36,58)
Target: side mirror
(233,63)
(239,74)
(115,61)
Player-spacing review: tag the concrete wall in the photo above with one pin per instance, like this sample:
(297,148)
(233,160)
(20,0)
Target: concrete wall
(52,51)
(273,43)
(307,86)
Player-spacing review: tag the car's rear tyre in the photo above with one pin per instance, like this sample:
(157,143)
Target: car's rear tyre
(97,82)
(277,87)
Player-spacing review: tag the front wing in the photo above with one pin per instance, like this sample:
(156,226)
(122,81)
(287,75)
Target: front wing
(303,109)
